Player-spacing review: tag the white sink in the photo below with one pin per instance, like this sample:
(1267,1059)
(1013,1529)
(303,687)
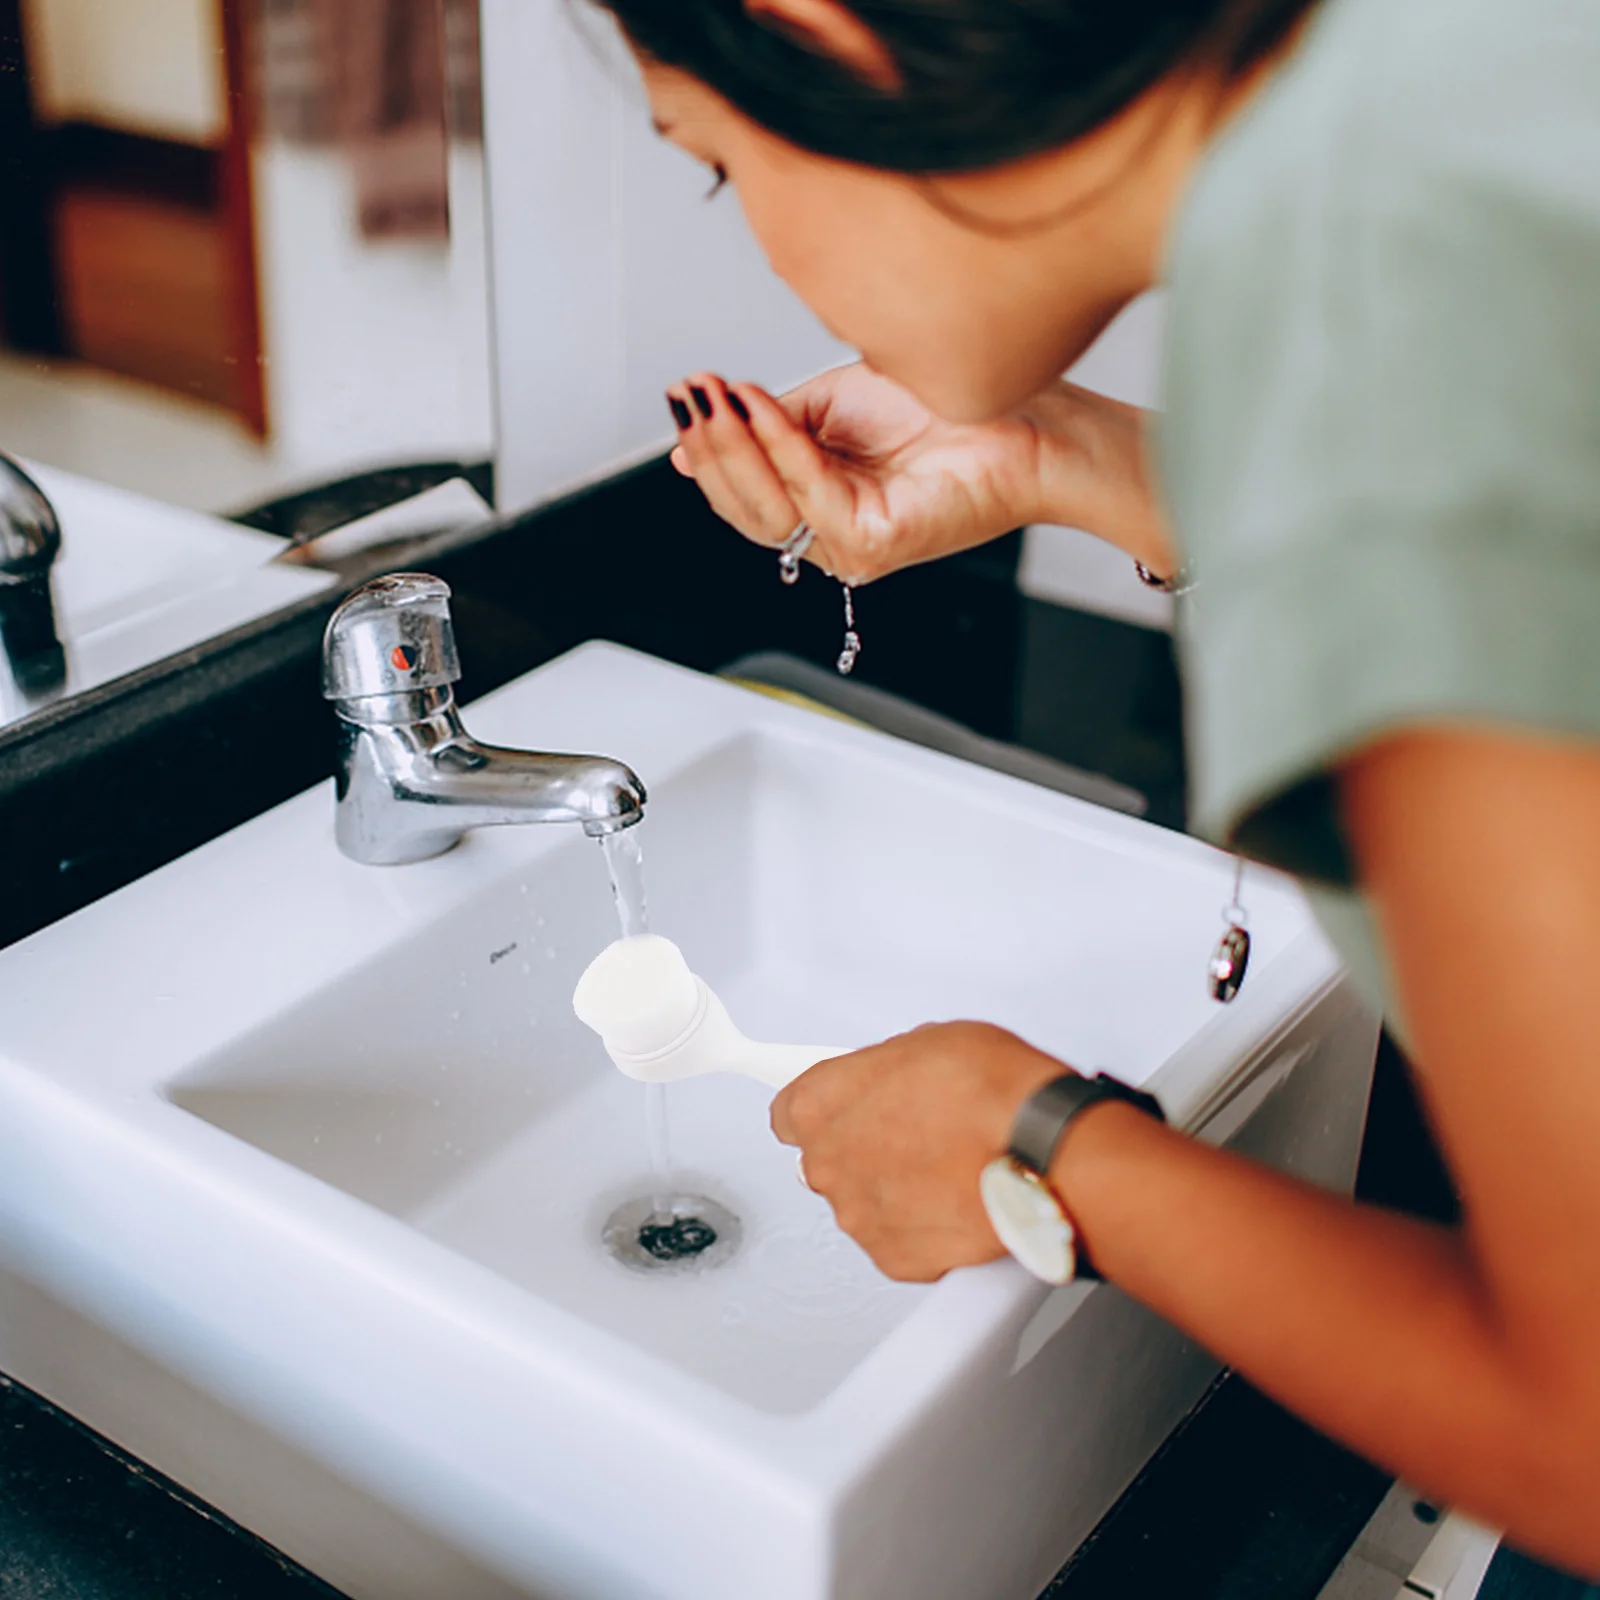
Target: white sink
(303,1167)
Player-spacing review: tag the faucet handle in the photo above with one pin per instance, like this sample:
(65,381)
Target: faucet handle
(392,636)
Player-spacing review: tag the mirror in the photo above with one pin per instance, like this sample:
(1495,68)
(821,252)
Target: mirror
(243,297)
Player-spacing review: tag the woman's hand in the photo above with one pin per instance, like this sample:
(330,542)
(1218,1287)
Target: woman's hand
(895,1138)
(884,484)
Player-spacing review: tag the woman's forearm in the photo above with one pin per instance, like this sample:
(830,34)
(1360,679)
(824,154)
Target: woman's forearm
(1095,474)
(1370,1325)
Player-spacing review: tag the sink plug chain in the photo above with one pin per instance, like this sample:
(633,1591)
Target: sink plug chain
(790,554)
(1231,958)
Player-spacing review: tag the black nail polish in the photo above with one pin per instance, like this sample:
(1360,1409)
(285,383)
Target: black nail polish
(702,400)
(681,414)
(740,409)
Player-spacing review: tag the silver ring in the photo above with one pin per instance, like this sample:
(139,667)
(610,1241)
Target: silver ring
(800,1170)
(792,551)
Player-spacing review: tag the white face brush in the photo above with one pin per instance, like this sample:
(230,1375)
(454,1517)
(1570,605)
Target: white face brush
(660,1023)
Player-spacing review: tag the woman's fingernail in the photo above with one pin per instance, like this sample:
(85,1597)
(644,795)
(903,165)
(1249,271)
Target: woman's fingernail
(740,409)
(702,400)
(680,412)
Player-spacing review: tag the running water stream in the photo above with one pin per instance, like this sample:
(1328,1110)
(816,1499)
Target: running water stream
(625,863)
(671,1227)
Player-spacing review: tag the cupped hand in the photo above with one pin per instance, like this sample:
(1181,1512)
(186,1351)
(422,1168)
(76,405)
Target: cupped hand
(884,484)
(896,1137)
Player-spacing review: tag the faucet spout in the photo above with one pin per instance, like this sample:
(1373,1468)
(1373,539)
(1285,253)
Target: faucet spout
(412,781)
(497,786)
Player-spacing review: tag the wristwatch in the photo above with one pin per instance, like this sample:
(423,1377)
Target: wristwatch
(1024,1210)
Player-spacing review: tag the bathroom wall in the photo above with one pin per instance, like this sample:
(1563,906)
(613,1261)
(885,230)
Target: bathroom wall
(612,276)
(154,67)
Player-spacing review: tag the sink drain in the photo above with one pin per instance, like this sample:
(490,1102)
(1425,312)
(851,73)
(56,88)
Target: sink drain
(688,1234)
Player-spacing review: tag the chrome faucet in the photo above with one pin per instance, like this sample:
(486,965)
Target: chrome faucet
(412,782)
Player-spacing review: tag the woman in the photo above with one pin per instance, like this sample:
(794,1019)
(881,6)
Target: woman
(1380,463)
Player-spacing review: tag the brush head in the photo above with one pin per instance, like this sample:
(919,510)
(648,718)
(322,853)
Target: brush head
(640,997)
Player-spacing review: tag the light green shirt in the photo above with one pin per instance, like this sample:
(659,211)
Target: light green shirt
(1381,442)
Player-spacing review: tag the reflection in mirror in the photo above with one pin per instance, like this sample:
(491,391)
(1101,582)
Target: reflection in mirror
(30,541)
(242,276)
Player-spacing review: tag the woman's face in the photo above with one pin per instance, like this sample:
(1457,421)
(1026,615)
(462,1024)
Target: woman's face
(971,319)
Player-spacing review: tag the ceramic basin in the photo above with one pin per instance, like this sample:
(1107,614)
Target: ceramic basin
(323,1151)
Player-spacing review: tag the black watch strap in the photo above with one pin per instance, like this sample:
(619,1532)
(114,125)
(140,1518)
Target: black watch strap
(1048,1113)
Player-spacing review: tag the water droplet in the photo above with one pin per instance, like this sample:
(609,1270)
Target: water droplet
(852,640)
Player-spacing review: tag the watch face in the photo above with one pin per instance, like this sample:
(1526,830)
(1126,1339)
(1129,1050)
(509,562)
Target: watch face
(1029,1220)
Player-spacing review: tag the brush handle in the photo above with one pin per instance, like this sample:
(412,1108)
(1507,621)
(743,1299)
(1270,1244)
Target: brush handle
(778,1065)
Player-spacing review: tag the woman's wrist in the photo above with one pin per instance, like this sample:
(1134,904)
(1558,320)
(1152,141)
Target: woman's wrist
(1095,473)
(1099,1149)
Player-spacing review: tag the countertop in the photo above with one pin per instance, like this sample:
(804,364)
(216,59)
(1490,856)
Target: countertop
(1242,1502)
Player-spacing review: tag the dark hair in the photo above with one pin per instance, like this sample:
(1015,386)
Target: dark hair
(981,81)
